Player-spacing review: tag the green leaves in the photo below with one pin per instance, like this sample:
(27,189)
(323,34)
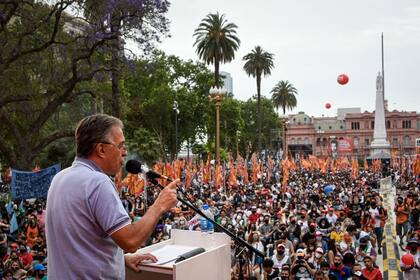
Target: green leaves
(283,95)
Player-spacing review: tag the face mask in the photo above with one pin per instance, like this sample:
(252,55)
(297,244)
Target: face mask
(337,263)
(373,205)
(280,252)
(312,229)
(223,222)
(255,238)
(317,255)
(266,221)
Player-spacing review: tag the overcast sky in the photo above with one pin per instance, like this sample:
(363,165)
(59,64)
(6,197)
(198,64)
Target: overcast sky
(313,42)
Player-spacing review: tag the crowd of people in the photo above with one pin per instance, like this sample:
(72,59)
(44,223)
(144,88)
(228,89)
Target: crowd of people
(324,226)
(321,226)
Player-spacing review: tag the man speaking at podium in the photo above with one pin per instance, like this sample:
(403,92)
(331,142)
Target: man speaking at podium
(87,227)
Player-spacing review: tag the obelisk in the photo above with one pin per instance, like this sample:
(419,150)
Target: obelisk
(380,147)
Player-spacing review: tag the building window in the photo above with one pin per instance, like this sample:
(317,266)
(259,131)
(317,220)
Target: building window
(367,141)
(388,124)
(319,128)
(394,124)
(299,140)
(395,141)
(304,120)
(356,141)
(306,140)
(341,127)
(373,124)
(406,140)
(406,124)
(355,125)
(318,141)
(330,127)
(292,141)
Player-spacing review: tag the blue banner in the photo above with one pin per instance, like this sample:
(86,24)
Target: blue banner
(32,184)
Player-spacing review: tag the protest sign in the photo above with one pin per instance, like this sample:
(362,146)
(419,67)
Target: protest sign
(32,184)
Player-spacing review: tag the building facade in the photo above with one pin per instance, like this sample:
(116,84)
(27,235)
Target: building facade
(351,133)
(227,81)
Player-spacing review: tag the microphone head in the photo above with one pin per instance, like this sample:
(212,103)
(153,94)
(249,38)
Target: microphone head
(133,166)
(153,175)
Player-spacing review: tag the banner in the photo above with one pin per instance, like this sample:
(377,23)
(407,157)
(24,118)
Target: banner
(32,184)
(345,145)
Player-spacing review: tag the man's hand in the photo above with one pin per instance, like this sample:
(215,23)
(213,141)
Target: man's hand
(133,261)
(167,197)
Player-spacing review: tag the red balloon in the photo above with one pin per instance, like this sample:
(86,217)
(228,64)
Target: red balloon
(328,105)
(408,259)
(343,79)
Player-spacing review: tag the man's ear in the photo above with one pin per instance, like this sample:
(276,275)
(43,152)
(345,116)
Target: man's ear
(99,150)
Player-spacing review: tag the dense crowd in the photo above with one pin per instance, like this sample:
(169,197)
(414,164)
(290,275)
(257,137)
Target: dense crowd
(321,226)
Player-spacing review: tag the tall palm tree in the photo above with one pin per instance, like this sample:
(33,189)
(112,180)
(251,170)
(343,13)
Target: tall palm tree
(258,62)
(216,41)
(283,95)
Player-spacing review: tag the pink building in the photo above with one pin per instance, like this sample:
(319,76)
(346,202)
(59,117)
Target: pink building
(350,133)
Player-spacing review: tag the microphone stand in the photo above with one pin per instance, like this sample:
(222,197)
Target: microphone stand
(190,205)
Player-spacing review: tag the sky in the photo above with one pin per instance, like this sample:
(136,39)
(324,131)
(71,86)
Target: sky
(313,41)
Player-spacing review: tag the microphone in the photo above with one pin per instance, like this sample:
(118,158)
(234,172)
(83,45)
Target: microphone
(154,175)
(133,166)
(190,254)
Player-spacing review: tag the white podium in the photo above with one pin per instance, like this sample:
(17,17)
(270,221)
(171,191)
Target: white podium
(212,264)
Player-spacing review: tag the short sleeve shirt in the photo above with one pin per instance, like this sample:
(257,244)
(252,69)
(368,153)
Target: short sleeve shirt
(83,211)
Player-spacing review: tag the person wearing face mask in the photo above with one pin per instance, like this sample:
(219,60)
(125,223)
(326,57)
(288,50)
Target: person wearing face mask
(254,240)
(339,270)
(280,257)
(32,230)
(317,258)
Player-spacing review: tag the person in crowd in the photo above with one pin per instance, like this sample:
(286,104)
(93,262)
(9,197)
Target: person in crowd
(402,212)
(270,273)
(371,272)
(39,271)
(340,271)
(281,257)
(411,271)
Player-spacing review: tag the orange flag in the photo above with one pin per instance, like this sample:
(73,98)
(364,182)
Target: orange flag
(207,175)
(285,178)
(417,165)
(365,165)
(232,174)
(245,173)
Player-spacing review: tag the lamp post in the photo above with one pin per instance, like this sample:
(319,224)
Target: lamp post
(176,110)
(284,122)
(216,94)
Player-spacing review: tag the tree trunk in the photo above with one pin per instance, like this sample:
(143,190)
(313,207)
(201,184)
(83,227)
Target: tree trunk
(216,73)
(259,111)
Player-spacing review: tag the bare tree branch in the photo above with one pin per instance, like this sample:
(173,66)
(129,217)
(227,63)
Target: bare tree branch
(51,138)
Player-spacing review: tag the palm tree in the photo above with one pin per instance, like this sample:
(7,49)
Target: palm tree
(283,95)
(216,41)
(258,62)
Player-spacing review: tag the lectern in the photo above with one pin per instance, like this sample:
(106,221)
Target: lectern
(214,263)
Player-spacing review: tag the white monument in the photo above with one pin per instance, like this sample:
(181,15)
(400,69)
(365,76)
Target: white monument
(380,147)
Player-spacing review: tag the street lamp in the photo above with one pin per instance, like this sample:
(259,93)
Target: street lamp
(176,110)
(284,122)
(216,94)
